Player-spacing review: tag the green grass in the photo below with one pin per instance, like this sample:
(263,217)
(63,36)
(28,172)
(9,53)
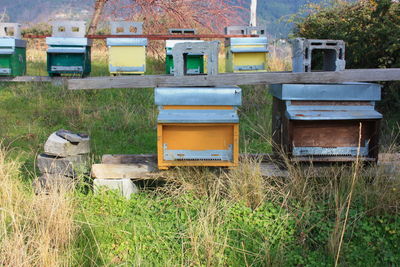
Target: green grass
(201,217)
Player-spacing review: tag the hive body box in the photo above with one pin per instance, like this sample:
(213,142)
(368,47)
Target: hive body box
(326,122)
(12,51)
(68,51)
(194,62)
(246,54)
(198,126)
(127,55)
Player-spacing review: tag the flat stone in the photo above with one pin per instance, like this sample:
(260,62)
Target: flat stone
(72,137)
(122,171)
(272,170)
(125,186)
(58,146)
(68,166)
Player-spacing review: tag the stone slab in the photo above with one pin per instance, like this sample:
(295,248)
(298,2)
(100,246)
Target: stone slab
(125,186)
(69,166)
(122,171)
(58,146)
(72,137)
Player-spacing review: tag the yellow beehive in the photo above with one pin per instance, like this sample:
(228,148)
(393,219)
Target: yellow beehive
(198,126)
(246,54)
(127,55)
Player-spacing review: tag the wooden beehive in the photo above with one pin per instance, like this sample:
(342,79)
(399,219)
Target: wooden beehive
(326,122)
(246,54)
(127,55)
(198,126)
(68,52)
(12,50)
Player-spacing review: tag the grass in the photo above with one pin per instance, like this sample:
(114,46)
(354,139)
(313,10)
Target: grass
(200,216)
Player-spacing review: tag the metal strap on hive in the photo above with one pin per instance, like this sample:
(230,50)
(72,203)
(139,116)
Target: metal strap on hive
(331,151)
(126,41)
(5,71)
(208,96)
(67,68)
(127,69)
(328,92)
(217,155)
(249,67)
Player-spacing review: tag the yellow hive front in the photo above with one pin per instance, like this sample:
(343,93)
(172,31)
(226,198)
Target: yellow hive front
(126,57)
(197,135)
(247,54)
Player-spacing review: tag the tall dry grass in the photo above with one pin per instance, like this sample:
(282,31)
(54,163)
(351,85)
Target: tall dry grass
(35,230)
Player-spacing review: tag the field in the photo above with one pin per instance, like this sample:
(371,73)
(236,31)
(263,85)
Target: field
(197,216)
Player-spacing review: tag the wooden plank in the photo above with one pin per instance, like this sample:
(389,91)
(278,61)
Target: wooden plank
(55,80)
(154,36)
(122,171)
(229,79)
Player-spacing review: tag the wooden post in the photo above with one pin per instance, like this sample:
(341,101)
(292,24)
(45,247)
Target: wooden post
(253,13)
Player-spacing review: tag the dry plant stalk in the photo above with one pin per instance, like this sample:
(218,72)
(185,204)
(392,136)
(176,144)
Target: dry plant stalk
(35,230)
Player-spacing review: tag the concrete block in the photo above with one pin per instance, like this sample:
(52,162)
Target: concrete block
(334,54)
(124,28)
(5,30)
(209,49)
(75,29)
(69,166)
(58,146)
(125,186)
(246,30)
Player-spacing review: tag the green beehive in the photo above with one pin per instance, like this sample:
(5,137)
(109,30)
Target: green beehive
(68,52)
(194,62)
(12,50)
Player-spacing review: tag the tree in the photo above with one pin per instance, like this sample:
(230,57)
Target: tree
(159,15)
(371,30)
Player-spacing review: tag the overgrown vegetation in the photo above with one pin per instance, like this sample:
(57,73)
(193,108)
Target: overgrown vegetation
(195,216)
(371,30)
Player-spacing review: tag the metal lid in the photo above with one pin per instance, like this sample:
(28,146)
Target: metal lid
(11,42)
(127,41)
(339,92)
(198,116)
(249,41)
(68,41)
(203,96)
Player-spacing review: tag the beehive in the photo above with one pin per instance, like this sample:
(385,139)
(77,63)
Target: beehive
(194,62)
(12,50)
(246,54)
(68,52)
(127,55)
(198,126)
(326,122)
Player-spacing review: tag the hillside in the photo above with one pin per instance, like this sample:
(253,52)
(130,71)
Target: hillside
(270,12)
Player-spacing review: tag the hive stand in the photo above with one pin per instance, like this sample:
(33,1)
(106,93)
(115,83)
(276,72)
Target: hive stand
(333,54)
(127,55)
(208,49)
(69,52)
(12,50)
